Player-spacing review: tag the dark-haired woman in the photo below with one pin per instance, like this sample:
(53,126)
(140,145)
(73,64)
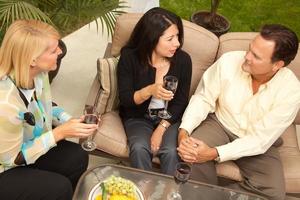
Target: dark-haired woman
(152,52)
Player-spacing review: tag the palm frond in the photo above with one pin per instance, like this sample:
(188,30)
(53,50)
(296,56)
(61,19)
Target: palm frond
(80,12)
(13,10)
(66,15)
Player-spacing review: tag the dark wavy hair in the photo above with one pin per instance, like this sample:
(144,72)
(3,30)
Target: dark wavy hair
(148,30)
(286,42)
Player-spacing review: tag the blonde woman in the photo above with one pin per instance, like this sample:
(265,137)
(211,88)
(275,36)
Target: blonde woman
(35,160)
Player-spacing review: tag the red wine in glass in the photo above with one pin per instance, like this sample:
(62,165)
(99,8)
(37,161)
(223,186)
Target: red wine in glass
(90,117)
(181,175)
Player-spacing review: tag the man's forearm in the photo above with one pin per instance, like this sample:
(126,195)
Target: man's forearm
(182,135)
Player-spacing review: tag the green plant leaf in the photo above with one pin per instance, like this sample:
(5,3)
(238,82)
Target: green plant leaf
(13,10)
(76,13)
(65,15)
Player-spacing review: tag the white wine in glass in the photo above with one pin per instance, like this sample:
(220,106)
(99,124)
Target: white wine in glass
(170,83)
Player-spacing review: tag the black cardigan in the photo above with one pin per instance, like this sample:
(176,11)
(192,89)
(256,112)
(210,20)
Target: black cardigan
(133,77)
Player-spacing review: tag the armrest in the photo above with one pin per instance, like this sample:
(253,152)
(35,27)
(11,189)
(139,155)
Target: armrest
(297,123)
(93,93)
(107,52)
(298,136)
(297,119)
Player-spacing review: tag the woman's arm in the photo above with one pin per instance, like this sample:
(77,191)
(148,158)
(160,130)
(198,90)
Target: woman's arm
(128,74)
(59,115)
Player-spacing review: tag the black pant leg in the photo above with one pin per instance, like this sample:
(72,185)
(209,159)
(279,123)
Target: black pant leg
(24,183)
(67,159)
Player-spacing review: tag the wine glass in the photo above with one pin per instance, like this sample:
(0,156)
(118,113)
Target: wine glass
(90,117)
(182,175)
(170,83)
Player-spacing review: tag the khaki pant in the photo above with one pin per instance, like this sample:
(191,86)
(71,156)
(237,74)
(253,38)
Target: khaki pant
(263,174)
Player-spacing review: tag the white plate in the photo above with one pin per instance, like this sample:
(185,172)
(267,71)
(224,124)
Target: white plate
(98,190)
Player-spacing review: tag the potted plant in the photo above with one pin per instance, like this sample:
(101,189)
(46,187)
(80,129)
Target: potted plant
(212,21)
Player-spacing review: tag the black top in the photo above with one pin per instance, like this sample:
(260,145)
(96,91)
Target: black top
(132,76)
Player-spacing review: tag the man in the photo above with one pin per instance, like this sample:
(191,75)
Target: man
(242,105)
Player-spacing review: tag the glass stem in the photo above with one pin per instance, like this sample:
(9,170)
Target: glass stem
(90,138)
(166,105)
(178,187)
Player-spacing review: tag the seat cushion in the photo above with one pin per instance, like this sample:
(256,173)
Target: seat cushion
(229,170)
(110,136)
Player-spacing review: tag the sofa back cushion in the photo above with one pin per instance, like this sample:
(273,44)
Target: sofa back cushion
(104,94)
(235,41)
(199,43)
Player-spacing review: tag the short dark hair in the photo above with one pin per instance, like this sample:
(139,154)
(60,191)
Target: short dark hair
(286,42)
(148,30)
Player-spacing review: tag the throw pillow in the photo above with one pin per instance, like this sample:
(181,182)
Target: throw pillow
(107,95)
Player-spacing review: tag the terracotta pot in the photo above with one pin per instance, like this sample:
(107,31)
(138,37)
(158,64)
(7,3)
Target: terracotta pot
(221,25)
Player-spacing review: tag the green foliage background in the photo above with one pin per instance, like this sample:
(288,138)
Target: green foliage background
(244,15)
(66,15)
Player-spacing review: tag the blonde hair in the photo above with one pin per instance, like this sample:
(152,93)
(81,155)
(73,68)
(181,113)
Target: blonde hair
(24,41)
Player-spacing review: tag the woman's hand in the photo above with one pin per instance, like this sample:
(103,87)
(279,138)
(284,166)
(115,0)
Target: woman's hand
(186,149)
(156,139)
(74,128)
(158,91)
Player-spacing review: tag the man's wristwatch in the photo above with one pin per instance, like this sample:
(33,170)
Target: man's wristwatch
(217,159)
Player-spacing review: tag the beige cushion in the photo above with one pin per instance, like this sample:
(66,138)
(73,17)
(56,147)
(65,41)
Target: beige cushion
(123,28)
(290,156)
(295,67)
(111,137)
(229,170)
(202,46)
(295,64)
(104,93)
(235,41)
